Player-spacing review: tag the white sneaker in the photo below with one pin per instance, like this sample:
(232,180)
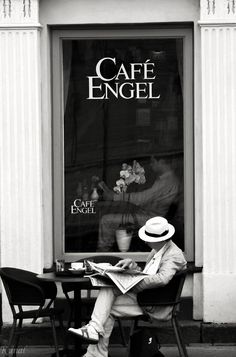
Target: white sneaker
(87,333)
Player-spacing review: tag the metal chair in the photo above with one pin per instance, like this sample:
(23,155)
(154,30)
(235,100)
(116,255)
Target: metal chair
(23,288)
(89,301)
(168,295)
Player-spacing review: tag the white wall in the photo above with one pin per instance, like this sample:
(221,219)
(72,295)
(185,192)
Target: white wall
(218,34)
(20,137)
(117,11)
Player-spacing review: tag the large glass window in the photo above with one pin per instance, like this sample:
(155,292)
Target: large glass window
(120,130)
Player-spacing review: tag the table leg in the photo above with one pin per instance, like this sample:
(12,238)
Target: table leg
(77,307)
(78,321)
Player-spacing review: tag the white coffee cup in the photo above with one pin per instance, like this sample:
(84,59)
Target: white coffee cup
(77,266)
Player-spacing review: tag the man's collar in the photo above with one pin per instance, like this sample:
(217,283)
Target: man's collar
(163,249)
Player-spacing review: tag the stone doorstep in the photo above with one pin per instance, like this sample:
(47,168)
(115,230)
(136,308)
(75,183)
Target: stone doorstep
(194,332)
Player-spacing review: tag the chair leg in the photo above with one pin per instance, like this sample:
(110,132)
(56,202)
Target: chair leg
(11,337)
(179,338)
(65,334)
(70,319)
(52,319)
(17,337)
(122,332)
(71,306)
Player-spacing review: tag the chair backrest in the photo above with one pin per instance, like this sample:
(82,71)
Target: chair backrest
(21,289)
(49,288)
(167,295)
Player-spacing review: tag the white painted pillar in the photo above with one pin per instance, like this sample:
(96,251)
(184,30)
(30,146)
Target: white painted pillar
(218,47)
(20,132)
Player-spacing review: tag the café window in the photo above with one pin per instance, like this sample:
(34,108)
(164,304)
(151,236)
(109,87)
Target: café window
(122,134)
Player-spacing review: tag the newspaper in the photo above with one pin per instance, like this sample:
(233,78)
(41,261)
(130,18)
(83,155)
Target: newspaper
(124,279)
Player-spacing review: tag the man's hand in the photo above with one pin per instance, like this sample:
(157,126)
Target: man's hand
(127,263)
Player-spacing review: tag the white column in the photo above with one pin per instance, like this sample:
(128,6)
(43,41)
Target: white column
(20,132)
(218,38)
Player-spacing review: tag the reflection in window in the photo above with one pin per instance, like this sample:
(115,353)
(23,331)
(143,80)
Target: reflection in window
(102,134)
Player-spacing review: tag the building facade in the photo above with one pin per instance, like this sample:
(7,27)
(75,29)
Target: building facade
(33,160)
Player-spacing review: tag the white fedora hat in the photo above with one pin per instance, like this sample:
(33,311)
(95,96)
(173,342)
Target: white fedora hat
(156,229)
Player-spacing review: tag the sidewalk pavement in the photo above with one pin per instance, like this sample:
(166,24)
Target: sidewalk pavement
(198,350)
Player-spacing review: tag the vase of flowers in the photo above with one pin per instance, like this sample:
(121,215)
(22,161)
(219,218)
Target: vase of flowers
(123,239)
(128,174)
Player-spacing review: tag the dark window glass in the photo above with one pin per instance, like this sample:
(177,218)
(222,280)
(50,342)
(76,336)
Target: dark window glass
(130,120)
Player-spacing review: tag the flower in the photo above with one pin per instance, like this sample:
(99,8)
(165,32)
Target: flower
(120,186)
(128,175)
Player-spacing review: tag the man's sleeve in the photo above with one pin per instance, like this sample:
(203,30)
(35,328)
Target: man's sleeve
(166,272)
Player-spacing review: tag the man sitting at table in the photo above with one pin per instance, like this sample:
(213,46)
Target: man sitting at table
(164,260)
(151,202)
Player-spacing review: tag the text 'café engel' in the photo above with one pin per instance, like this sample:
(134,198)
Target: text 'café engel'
(138,90)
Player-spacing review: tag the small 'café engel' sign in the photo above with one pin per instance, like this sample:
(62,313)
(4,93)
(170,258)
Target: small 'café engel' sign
(84,207)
